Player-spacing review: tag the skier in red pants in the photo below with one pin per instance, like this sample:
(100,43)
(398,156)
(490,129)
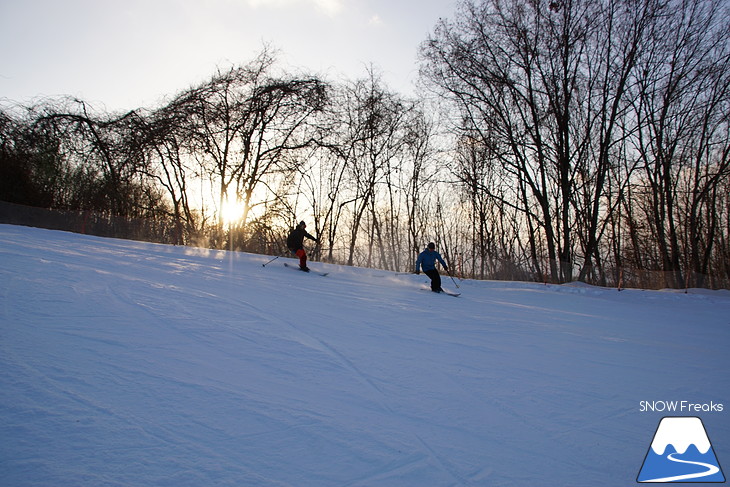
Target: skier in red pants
(295,243)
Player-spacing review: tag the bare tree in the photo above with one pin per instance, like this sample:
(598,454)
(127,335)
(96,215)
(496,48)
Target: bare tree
(368,145)
(574,96)
(244,122)
(101,150)
(512,68)
(681,117)
(417,178)
(162,142)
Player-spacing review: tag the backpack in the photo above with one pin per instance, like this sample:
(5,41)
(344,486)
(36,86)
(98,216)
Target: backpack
(291,240)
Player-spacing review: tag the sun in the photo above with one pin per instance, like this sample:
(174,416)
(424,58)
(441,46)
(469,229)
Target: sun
(232,210)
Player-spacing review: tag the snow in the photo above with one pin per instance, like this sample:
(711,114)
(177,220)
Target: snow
(134,364)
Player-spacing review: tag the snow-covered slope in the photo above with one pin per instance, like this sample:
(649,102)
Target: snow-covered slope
(134,364)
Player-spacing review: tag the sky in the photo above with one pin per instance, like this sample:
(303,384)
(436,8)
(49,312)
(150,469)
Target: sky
(122,55)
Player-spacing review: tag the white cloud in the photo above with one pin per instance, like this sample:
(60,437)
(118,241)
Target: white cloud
(328,7)
(376,20)
(271,3)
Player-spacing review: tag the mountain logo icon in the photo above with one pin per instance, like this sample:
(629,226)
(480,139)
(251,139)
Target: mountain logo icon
(680,452)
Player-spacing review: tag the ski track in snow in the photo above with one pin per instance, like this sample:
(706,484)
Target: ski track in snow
(127,363)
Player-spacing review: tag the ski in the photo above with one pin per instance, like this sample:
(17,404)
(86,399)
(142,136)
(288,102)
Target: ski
(443,291)
(297,268)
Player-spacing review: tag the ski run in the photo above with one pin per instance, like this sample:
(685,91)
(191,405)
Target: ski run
(134,364)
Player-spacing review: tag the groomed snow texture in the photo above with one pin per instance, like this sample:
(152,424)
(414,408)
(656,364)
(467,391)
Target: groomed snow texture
(134,364)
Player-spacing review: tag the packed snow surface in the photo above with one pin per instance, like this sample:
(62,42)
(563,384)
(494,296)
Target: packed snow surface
(134,364)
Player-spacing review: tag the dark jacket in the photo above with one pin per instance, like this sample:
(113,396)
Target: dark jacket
(427,259)
(295,241)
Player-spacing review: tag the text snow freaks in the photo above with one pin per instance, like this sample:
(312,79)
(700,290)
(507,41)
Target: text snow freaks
(680,407)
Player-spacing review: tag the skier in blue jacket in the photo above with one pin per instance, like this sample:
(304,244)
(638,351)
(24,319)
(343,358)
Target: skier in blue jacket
(427,260)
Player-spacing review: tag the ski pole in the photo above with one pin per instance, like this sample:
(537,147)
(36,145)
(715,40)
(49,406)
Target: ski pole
(272,260)
(452,277)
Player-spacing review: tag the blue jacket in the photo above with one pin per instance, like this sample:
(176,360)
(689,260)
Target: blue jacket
(427,260)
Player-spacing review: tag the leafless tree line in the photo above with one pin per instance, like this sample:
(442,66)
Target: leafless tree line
(592,135)
(281,147)
(572,140)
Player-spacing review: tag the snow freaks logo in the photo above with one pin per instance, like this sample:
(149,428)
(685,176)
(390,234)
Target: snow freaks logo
(680,452)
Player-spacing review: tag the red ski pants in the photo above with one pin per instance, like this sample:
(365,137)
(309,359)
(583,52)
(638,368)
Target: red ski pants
(302,258)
